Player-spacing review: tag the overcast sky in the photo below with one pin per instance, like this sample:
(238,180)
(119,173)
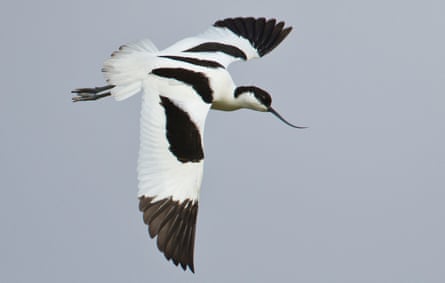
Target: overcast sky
(357,197)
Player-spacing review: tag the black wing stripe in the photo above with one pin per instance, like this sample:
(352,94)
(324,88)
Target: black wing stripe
(182,133)
(195,61)
(264,35)
(219,47)
(199,81)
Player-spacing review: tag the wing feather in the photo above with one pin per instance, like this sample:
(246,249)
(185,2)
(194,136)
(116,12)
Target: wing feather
(262,34)
(173,113)
(259,29)
(252,37)
(250,27)
(169,187)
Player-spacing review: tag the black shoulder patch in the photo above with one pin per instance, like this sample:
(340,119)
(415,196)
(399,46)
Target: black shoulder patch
(174,223)
(219,47)
(195,61)
(197,80)
(182,133)
(263,34)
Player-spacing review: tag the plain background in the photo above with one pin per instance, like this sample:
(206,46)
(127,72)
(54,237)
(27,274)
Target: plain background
(357,197)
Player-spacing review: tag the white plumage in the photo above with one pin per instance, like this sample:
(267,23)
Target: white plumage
(159,172)
(220,35)
(180,84)
(128,68)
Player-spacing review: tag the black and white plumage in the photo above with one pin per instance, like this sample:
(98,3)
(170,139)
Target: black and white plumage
(180,84)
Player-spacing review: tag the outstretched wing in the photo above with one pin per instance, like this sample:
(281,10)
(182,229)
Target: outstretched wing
(170,164)
(234,39)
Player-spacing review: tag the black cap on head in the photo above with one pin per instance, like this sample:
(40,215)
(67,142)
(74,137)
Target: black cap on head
(259,93)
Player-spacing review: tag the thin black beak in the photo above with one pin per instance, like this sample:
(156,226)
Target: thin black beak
(271,110)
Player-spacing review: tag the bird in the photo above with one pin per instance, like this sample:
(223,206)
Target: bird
(180,84)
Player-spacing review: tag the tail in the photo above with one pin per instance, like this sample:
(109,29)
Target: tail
(128,67)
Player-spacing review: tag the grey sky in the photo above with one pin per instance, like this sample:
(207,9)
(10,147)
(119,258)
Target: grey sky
(357,197)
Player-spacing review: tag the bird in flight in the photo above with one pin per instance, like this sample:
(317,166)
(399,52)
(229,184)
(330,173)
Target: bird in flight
(180,84)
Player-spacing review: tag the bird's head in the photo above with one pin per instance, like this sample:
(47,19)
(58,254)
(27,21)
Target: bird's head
(255,98)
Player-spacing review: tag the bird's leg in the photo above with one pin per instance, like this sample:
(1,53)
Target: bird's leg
(90,94)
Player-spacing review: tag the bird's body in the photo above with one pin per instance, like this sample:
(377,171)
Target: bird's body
(180,84)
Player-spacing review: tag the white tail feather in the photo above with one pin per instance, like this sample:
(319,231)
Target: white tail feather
(128,67)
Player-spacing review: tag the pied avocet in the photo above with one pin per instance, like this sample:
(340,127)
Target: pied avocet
(180,84)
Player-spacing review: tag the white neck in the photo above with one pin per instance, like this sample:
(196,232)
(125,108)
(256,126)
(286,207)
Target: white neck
(227,104)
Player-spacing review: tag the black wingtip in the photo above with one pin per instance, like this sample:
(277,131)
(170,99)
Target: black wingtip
(263,34)
(174,223)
